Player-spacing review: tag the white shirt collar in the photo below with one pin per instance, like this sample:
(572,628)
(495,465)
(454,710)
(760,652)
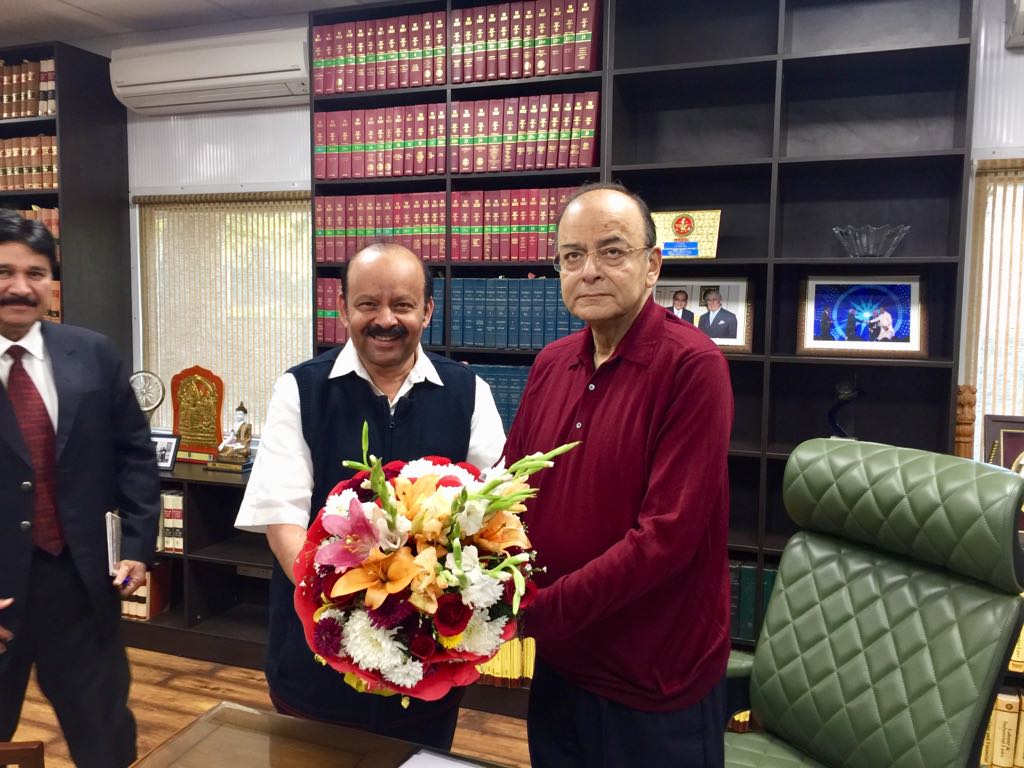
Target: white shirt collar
(31,341)
(422,370)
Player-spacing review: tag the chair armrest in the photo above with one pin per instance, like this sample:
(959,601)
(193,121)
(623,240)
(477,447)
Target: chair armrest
(740,665)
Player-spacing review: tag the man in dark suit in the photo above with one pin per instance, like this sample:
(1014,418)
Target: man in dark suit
(73,444)
(678,308)
(717,322)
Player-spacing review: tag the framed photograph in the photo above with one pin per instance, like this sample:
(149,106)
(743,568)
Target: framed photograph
(862,316)
(721,307)
(166,447)
(1004,442)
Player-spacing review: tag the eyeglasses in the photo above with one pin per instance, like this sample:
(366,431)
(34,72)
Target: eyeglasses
(609,256)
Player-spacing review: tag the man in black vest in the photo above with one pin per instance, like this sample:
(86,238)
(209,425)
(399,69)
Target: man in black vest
(417,404)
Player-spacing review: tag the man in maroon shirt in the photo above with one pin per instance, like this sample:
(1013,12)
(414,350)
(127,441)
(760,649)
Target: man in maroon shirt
(632,617)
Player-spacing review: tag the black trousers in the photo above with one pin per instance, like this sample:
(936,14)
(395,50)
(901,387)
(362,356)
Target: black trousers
(569,727)
(80,663)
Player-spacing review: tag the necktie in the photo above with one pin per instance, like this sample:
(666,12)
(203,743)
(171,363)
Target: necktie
(37,431)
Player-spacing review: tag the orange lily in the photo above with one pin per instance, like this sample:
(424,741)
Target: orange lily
(411,494)
(502,531)
(425,589)
(380,575)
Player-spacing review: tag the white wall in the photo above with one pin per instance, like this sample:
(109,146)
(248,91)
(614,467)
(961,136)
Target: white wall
(999,88)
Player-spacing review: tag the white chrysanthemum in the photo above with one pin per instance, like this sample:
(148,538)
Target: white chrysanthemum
(389,540)
(471,518)
(484,590)
(470,559)
(481,636)
(404,675)
(420,467)
(338,503)
(369,647)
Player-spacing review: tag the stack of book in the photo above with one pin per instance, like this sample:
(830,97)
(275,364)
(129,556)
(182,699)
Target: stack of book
(331,330)
(28,162)
(28,89)
(170,537)
(506,224)
(743,583)
(151,598)
(507,383)
(345,225)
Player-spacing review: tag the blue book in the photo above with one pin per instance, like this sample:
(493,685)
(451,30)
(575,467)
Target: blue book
(437,319)
(552,301)
(512,313)
(491,313)
(479,285)
(501,293)
(525,313)
(537,290)
(562,319)
(455,321)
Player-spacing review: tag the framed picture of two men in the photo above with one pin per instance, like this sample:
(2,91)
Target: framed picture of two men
(720,307)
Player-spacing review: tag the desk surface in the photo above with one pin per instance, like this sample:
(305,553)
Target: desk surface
(239,737)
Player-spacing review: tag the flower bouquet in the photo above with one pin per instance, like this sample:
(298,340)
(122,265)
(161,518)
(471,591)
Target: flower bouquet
(415,572)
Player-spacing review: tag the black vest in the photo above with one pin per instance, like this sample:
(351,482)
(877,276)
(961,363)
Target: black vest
(428,421)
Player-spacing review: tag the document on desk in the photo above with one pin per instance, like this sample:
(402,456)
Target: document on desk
(425,759)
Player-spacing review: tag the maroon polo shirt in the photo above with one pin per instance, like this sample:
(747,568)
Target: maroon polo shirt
(632,524)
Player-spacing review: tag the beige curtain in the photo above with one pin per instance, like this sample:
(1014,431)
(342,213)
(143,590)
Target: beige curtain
(994,338)
(226,284)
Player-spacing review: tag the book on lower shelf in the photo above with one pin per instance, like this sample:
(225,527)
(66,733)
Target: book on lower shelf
(151,598)
(171,529)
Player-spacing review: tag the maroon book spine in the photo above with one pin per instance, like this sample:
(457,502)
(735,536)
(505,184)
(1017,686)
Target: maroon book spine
(441,233)
(381,45)
(480,136)
(466,137)
(508,134)
(555,39)
(416,245)
(453,137)
(427,48)
(504,34)
(370,116)
(565,130)
(476,223)
(318,60)
(329,60)
(542,29)
(403,51)
(468,43)
(533,220)
(343,146)
(350,239)
(466,223)
(396,217)
(568,36)
(398,139)
(543,127)
(456,231)
(381,145)
(320,145)
(490,226)
(392,56)
(416,50)
(588,130)
(441,157)
(330,219)
(529,36)
(440,48)
(504,206)
(522,121)
(431,152)
(518,217)
(409,150)
(456,31)
(321,308)
(586,43)
(532,125)
(319,230)
(360,55)
(577,124)
(371,56)
(406,239)
(389,141)
(554,125)
(350,58)
(331,149)
(480,43)
(491,51)
(495,119)
(515,40)
(420,150)
(381,218)
(359,142)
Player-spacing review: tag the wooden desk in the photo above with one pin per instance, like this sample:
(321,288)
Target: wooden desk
(239,737)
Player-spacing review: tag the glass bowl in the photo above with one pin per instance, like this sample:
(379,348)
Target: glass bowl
(867,240)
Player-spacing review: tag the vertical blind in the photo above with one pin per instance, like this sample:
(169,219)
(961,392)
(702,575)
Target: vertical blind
(994,342)
(226,284)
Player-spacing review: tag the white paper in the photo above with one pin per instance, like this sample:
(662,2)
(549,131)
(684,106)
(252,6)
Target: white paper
(113,541)
(425,759)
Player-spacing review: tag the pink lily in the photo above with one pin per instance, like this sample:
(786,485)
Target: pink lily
(356,537)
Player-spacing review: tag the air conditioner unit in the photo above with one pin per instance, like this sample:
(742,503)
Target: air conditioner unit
(243,71)
(1015,23)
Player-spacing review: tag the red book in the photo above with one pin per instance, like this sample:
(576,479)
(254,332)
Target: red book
(406,238)
(480,43)
(332,148)
(430,219)
(330,217)
(351,222)
(381,218)
(588,130)
(342,149)
(409,150)
(359,142)
(403,51)
(505,225)
(542,28)
(441,155)
(568,36)
(329,66)
(441,237)
(320,145)
(420,148)
(319,231)
(331,307)
(522,121)
(371,55)
(389,141)
(381,47)
(467,137)
(577,124)
(431,162)
(491,52)
(468,44)
(320,308)
(516,229)
(551,243)
(350,58)
(557,37)
(508,134)
(416,203)
(495,120)
(392,58)
(456,45)
(380,142)
(360,56)
(586,35)
(398,140)
(532,126)
(543,127)
(358,229)
(515,40)
(565,130)
(427,48)
(453,137)
(554,126)
(480,136)
(476,224)
(490,237)
(318,60)
(529,36)
(466,223)
(371,142)
(396,218)
(504,34)
(416,50)
(440,48)
(533,221)
(456,230)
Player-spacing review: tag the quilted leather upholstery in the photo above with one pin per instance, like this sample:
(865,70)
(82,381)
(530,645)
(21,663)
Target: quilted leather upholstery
(912,503)
(868,657)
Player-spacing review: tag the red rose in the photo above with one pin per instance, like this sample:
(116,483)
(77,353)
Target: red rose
(452,615)
(438,461)
(527,598)
(421,645)
(469,468)
(392,469)
(353,483)
(449,481)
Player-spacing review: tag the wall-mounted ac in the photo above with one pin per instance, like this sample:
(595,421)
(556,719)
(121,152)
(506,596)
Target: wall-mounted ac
(243,71)
(1015,23)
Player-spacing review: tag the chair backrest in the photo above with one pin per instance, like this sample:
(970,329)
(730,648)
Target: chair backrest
(25,754)
(895,610)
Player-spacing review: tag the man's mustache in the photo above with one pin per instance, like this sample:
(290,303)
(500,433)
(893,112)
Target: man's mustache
(18,301)
(388,334)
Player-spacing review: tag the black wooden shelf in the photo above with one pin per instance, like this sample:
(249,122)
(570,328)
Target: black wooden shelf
(246,550)
(900,362)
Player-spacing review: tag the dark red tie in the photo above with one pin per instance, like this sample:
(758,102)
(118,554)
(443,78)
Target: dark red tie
(37,431)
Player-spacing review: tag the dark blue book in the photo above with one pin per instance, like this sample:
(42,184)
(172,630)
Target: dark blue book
(552,301)
(501,293)
(512,313)
(491,313)
(525,313)
(455,321)
(538,288)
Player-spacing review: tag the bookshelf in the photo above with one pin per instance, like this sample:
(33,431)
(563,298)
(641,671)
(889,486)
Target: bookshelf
(92,191)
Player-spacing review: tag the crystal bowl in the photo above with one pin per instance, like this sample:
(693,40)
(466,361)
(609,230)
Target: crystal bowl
(867,240)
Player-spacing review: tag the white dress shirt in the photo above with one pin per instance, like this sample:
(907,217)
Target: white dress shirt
(711,317)
(280,486)
(37,365)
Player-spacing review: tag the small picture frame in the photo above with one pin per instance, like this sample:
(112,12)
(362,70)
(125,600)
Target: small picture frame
(727,299)
(166,448)
(1004,442)
(862,317)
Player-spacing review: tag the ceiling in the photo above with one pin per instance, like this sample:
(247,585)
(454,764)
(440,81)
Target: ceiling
(30,21)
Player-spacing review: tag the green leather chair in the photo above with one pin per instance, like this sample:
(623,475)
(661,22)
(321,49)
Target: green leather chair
(894,611)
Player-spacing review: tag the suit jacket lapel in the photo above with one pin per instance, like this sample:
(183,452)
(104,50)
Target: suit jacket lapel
(66,375)
(9,429)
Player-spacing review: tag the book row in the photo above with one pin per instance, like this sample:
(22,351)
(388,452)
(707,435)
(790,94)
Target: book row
(527,133)
(506,224)
(152,598)
(528,39)
(28,162)
(170,535)
(501,41)
(1004,738)
(508,313)
(50,218)
(345,225)
(28,89)
(380,54)
(507,383)
(330,329)
(743,592)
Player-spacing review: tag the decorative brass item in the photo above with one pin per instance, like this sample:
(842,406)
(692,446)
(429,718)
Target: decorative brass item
(197,395)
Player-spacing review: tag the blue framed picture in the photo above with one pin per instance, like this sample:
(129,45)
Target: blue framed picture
(862,316)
